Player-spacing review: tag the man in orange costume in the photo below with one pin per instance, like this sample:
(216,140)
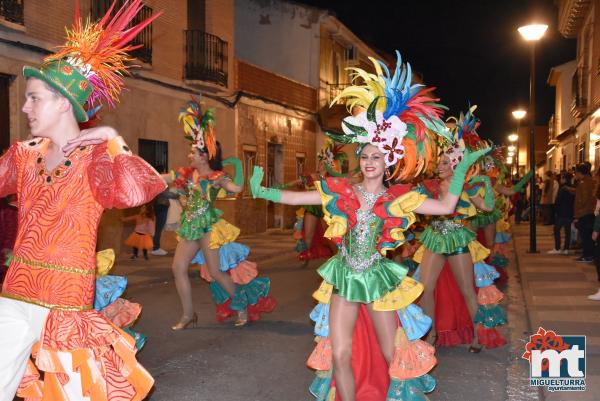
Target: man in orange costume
(64,178)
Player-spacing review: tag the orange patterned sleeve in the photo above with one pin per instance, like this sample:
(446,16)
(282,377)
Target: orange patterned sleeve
(8,171)
(122,180)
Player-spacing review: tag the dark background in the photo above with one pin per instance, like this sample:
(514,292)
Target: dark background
(470,50)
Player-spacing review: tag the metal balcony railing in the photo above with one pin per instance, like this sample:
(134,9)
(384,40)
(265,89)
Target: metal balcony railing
(12,11)
(335,90)
(206,57)
(143,39)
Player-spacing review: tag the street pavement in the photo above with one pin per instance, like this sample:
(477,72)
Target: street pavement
(266,360)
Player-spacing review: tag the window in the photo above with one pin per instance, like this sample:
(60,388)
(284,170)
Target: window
(144,38)
(581,152)
(12,11)
(249,162)
(4,112)
(156,153)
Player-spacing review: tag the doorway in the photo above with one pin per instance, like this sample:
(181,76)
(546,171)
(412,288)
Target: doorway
(274,177)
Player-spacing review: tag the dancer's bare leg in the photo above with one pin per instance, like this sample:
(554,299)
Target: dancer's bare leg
(211,257)
(462,268)
(342,318)
(184,253)
(490,235)
(385,324)
(310,225)
(431,267)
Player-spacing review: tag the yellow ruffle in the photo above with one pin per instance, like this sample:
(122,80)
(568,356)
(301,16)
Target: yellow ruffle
(323,294)
(222,233)
(470,210)
(337,225)
(478,251)
(408,290)
(502,226)
(104,261)
(404,205)
(418,256)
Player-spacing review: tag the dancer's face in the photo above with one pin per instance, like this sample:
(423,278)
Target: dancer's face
(197,158)
(372,162)
(444,168)
(42,107)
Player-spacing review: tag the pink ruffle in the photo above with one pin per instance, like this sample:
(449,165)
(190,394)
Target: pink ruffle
(321,357)
(489,295)
(122,312)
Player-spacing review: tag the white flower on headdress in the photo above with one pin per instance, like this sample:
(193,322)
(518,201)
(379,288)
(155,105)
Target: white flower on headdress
(198,140)
(386,134)
(359,121)
(455,153)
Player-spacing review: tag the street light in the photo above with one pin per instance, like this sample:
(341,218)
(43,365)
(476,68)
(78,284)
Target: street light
(514,138)
(532,33)
(511,148)
(518,114)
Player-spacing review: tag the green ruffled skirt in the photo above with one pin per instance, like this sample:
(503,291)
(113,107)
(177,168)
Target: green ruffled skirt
(366,286)
(316,210)
(485,218)
(446,242)
(195,228)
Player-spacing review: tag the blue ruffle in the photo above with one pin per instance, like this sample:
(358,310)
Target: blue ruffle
(417,274)
(230,255)
(484,274)
(415,323)
(411,390)
(490,316)
(108,289)
(140,339)
(245,295)
(502,238)
(321,385)
(320,315)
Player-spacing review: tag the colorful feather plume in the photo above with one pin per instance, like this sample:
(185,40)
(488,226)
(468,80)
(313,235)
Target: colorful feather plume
(198,126)
(99,49)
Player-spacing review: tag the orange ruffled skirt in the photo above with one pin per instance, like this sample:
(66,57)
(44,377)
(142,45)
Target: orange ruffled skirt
(140,241)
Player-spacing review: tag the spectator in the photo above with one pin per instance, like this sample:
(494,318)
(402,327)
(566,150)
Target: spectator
(549,191)
(585,202)
(596,296)
(161,210)
(563,214)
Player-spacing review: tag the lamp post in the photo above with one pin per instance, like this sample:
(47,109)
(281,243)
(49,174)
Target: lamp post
(532,33)
(514,138)
(511,153)
(518,114)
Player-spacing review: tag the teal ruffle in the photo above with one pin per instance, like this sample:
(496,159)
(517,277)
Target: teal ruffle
(321,385)
(300,246)
(440,243)
(490,316)
(140,339)
(411,390)
(367,286)
(499,260)
(485,218)
(248,294)
(196,228)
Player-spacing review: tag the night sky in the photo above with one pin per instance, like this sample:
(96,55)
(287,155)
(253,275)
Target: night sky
(469,49)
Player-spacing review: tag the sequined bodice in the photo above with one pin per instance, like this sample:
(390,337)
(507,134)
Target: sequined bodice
(197,200)
(359,246)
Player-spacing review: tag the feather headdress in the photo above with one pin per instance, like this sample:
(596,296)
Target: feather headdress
(393,114)
(90,66)
(332,155)
(465,136)
(198,126)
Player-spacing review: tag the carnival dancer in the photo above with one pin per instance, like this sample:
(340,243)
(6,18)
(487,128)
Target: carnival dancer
(362,289)
(64,179)
(311,244)
(447,239)
(234,285)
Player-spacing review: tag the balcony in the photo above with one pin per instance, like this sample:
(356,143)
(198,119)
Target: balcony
(206,57)
(12,11)
(335,90)
(578,107)
(143,39)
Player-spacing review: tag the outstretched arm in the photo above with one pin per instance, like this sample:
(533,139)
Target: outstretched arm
(8,172)
(279,196)
(236,185)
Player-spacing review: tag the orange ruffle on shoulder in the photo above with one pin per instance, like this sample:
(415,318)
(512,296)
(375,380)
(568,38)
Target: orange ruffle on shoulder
(102,354)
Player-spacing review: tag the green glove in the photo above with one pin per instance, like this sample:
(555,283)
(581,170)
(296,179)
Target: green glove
(460,172)
(237,167)
(488,198)
(519,186)
(258,191)
(331,172)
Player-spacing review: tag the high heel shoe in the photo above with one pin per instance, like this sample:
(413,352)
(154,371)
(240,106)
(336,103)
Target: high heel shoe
(242,318)
(185,321)
(475,349)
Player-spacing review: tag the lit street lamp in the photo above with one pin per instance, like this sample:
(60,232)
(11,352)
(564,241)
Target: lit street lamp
(532,33)
(514,138)
(518,114)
